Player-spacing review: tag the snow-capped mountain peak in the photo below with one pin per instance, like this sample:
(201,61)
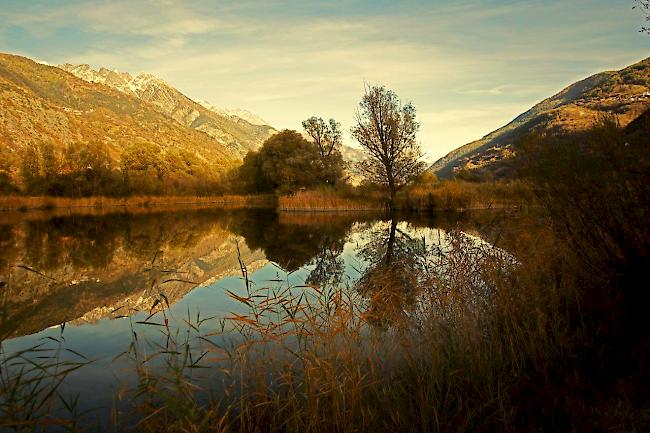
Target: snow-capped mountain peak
(145,83)
(251,118)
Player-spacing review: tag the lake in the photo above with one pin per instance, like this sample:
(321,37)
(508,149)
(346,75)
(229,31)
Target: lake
(77,290)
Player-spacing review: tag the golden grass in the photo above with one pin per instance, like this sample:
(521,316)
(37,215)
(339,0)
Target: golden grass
(325,200)
(43,202)
(462,195)
(312,359)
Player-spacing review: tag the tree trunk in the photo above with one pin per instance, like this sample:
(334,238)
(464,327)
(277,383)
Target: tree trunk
(393,193)
(390,247)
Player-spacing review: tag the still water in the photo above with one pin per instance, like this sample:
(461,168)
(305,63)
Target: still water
(84,285)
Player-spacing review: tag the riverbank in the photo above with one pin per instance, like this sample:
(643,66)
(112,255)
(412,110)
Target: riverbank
(435,197)
(457,195)
(22,203)
(439,196)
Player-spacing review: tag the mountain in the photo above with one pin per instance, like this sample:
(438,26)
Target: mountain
(46,104)
(238,130)
(352,156)
(71,133)
(625,93)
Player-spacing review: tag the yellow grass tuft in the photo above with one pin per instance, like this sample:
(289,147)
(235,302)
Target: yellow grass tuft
(325,200)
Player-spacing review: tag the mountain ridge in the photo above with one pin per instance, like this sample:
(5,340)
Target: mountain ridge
(234,132)
(51,119)
(576,107)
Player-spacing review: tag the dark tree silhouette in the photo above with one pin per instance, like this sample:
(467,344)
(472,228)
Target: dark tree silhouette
(285,163)
(386,129)
(644,7)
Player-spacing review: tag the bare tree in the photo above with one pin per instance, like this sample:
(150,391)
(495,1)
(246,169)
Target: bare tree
(644,7)
(386,129)
(327,136)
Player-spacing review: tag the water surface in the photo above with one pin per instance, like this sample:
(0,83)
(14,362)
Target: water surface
(88,283)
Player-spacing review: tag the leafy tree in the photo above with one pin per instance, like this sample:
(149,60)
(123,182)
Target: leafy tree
(285,163)
(386,130)
(30,168)
(427,178)
(49,162)
(92,168)
(142,168)
(6,174)
(249,177)
(327,136)
(142,156)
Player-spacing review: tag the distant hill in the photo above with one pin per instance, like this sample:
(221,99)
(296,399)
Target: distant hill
(625,93)
(237,129)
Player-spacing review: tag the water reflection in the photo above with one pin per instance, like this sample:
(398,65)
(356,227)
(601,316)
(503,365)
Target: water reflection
(88,271)
(390,280)
(81,268)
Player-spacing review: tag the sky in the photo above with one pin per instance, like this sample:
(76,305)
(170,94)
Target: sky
(468,66)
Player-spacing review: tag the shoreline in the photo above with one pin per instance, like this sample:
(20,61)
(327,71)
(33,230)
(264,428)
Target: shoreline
(46,203)
(19,205)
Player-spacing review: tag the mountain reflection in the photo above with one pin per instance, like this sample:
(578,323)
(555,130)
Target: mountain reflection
(68,268)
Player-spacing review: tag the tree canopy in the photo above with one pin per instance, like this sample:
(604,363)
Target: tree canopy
(285,163)
(327,137)
(387,131)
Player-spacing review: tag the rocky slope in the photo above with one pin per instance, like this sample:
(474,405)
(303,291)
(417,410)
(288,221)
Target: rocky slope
(238,130)
(625,93)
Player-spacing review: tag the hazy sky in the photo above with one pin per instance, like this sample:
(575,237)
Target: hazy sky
(468,66)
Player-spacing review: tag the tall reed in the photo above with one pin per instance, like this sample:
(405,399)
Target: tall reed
(453,357)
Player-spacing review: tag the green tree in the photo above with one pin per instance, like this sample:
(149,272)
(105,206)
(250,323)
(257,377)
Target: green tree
(91,168)
(7,163)
(143,168)
(285,163)
(386,130)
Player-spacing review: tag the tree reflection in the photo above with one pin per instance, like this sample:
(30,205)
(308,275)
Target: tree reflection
(392,279)
(293,241)
(329,266)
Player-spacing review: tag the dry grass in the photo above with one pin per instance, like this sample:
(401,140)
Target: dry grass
(307,359)
(41,202)
(325,200)
(462,195)
(449,336)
